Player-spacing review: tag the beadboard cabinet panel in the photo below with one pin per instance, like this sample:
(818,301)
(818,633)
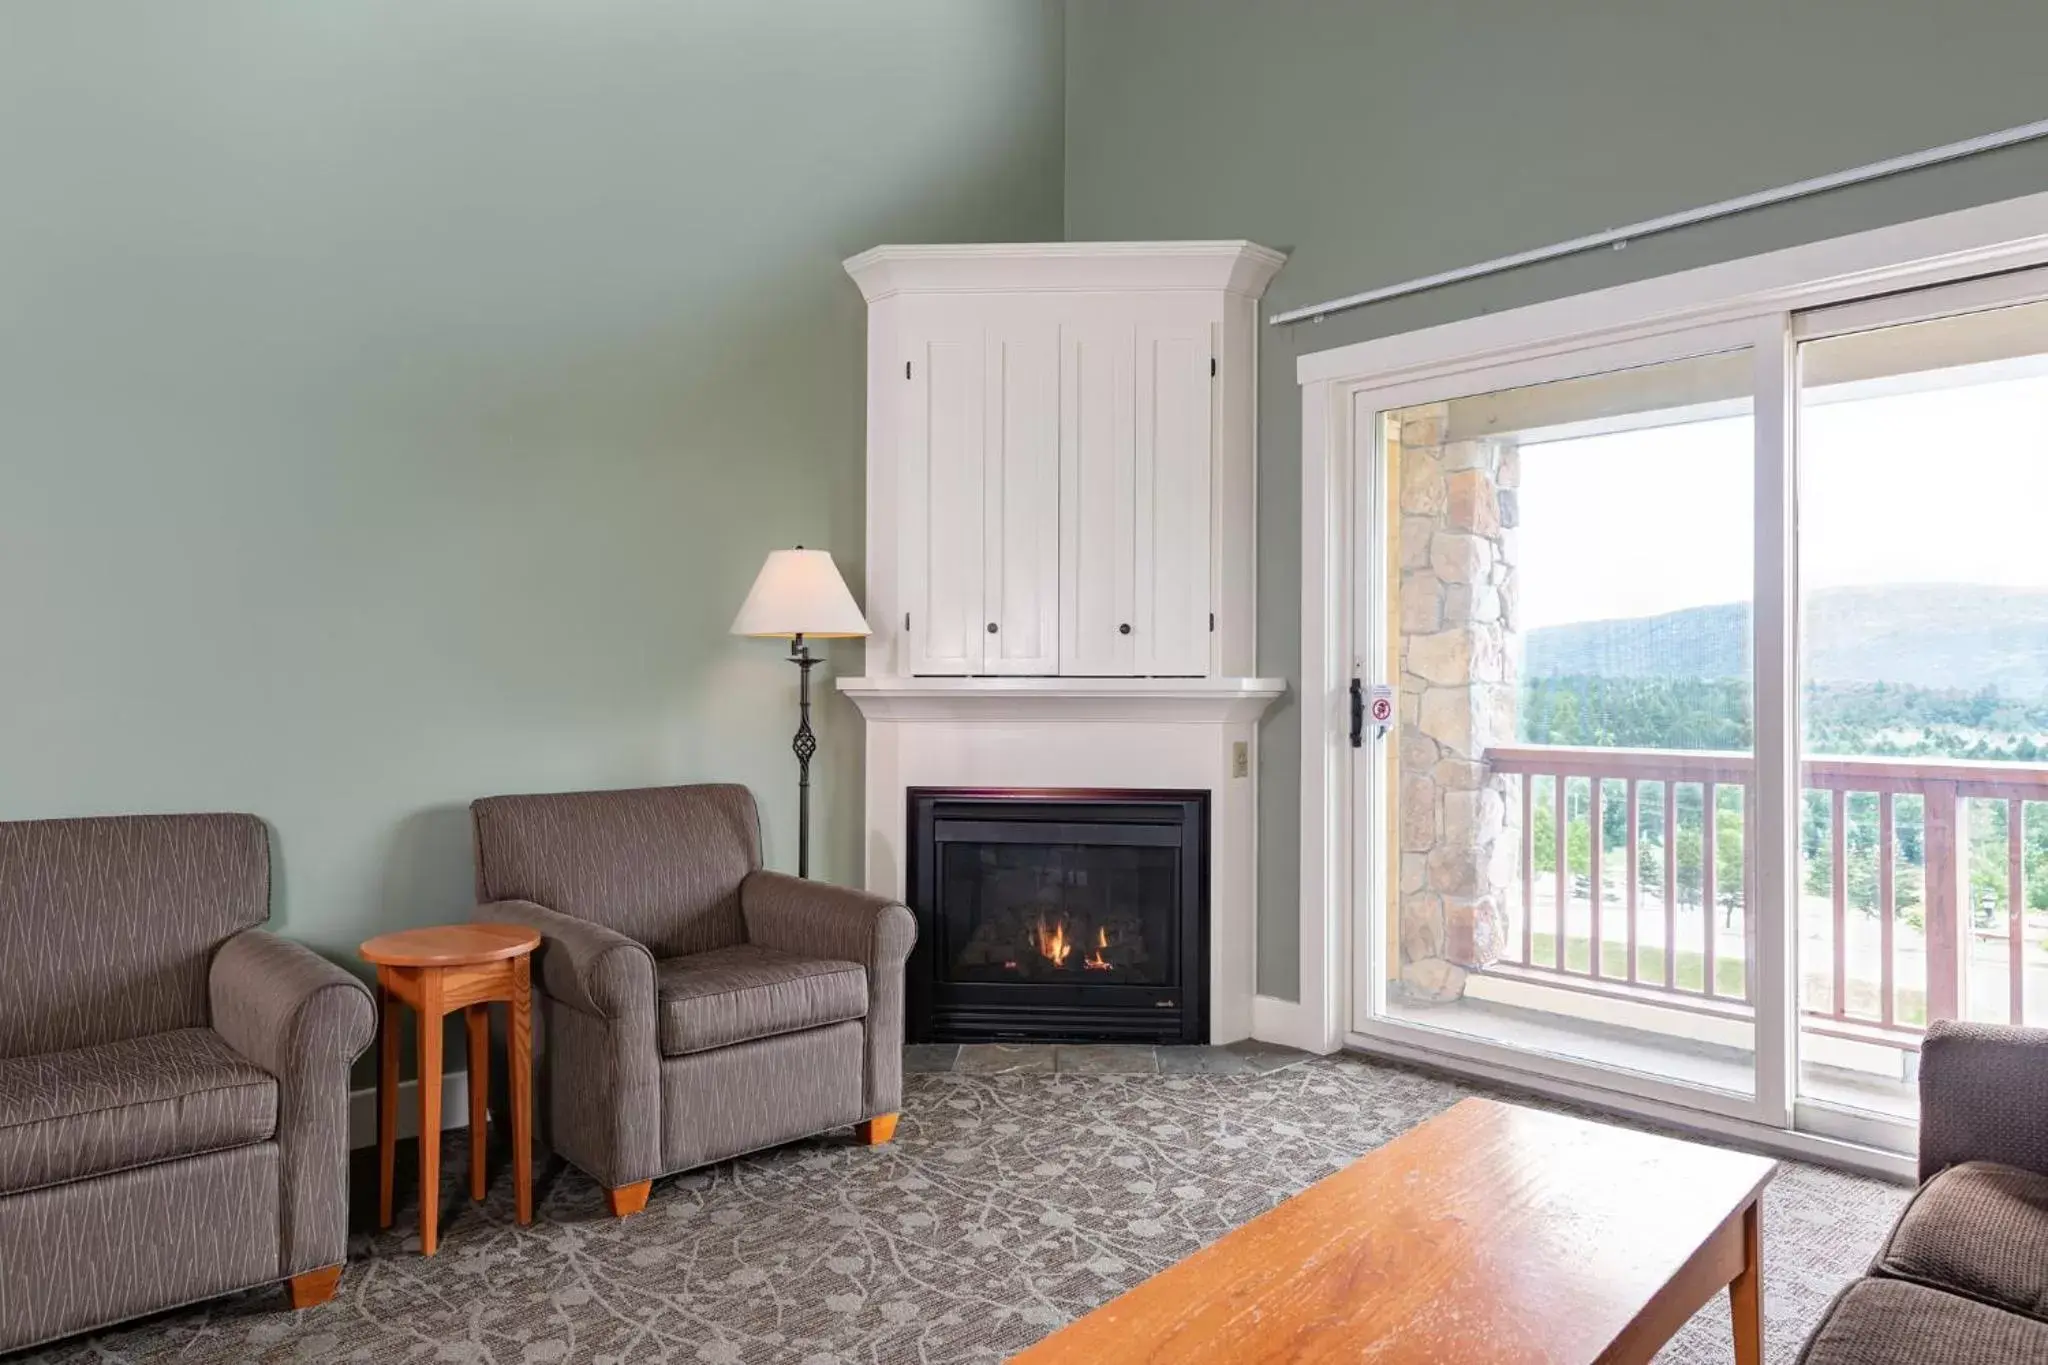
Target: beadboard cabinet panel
(1021,499)
(1173,464)
(1061,479)
(1098,499)
(944,463)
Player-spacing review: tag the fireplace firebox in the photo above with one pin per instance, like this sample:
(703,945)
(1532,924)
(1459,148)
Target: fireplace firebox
(1075,916)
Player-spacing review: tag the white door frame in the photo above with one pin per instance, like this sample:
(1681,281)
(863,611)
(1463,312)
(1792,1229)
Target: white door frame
(1362,639)
(1758,293)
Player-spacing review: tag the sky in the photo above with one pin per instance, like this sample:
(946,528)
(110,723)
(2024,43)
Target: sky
(1937,486)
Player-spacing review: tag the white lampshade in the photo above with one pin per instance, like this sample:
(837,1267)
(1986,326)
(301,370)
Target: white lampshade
(799,592)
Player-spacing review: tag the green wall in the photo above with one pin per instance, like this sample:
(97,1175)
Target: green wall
(397,399)
(1383,140)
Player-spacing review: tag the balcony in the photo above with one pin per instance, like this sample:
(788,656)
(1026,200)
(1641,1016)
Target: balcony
(1913,905)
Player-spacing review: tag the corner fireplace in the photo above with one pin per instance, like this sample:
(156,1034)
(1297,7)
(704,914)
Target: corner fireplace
(1079,916)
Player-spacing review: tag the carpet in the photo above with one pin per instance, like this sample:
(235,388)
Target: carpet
(1009,1203)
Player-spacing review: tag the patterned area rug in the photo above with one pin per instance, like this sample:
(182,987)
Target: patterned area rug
(1008,1204)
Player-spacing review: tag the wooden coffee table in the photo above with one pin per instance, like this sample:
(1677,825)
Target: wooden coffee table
(438,971)
(1491,1233)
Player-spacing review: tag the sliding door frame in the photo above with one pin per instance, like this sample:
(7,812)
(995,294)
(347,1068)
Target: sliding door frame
(1979,294)
(1767,300)
(1366,631)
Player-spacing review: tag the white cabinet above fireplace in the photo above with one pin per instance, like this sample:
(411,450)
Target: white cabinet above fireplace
(1060,447)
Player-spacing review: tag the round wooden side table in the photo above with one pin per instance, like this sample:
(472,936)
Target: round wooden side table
(437,971)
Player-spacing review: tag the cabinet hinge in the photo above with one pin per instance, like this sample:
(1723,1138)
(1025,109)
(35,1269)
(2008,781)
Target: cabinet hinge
(1212,367)
(906,369)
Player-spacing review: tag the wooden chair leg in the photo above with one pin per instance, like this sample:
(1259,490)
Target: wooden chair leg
(877,1130)
(314,1287)
(628,1199)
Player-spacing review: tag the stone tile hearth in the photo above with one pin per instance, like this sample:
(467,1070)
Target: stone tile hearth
(1098,1059)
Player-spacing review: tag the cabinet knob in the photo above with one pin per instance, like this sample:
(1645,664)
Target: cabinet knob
(991,627)
(1124,629)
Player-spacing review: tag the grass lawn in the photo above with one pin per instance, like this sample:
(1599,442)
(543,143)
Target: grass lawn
(1649,963)
(1691,970)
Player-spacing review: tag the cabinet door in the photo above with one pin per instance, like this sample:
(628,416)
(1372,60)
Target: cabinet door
(1021,550)
(1173,460)
(1098,500)
(944,455)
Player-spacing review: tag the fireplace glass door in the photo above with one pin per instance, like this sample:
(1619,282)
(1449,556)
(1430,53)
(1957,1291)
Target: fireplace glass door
(1066,912)
(1058,916)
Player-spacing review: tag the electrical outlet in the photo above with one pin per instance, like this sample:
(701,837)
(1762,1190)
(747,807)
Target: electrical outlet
(1240,759)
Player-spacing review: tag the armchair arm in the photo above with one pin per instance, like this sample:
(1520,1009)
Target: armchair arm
(584,965)
(821,920)
(305,1021)
(1983,1096)
(601,1067)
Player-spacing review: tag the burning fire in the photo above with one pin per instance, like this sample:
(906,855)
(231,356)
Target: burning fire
(1056,947)
(1053,944)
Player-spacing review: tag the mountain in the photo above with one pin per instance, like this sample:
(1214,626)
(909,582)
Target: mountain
(1938,635)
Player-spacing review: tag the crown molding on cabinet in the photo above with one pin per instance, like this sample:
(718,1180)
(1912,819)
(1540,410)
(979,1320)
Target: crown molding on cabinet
(1231,267)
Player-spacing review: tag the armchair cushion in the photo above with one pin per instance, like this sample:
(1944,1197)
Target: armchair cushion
(1888,1322)
(1980,1230)
(732,995)
(1983,1096)
(90,1111)
(661,865)
(110,923)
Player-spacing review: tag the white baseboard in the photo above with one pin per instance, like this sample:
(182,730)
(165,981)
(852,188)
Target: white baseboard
(362,1109)
(1289,1023)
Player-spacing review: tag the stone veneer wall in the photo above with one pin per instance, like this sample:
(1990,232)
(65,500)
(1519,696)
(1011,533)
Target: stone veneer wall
(1459,662)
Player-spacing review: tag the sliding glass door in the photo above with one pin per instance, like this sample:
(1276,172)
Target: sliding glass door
(1716,762)
(1564,573)
(1923,886)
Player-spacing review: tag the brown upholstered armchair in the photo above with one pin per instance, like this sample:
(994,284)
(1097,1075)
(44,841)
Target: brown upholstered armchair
(693,1006)
(173,1080)
(1963,1278)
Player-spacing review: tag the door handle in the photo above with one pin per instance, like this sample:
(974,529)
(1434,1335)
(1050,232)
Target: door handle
(1357,713)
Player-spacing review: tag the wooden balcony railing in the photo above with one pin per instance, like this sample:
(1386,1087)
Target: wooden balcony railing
(1943,789)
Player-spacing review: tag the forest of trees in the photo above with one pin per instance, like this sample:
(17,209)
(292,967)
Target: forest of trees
(1864,720)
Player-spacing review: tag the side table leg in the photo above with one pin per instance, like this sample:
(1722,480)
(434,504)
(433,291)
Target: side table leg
(519,1077)
(1746,1291)
(430,1028)
(388,1025)
(478,1018)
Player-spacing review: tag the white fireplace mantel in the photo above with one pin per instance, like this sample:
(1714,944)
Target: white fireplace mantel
(1187,701)
(1069,734)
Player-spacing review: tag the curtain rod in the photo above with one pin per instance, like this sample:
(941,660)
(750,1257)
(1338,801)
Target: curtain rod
(1620,236)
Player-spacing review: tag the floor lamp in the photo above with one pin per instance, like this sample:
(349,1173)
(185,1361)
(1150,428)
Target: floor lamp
(799,596)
